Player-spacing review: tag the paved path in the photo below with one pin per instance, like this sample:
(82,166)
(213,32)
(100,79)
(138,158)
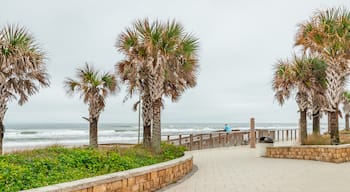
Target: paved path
(237,169)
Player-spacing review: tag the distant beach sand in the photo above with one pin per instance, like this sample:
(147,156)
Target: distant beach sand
(28,148)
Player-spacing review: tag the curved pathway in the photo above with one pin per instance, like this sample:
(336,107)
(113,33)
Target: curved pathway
(237,169)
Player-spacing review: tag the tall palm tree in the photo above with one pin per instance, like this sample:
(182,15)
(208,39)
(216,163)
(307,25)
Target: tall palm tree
(168,56)
(177,69)
(22,69)
(346,108)
(93,88)
(327,33)
(302,74)
(283,84)
(133,71)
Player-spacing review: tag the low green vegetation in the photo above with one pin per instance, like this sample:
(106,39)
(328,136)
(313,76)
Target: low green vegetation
(325,138)
(344,132)
(52,165)
(344,137)
(318,140)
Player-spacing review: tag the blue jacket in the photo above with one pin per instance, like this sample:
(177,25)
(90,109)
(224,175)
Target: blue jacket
(227,128)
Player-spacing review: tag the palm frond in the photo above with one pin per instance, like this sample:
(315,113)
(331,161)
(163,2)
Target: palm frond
(327,32)
(92,87)
(109,82)
(136,105)
(71,85)
(23,63)
(163,51)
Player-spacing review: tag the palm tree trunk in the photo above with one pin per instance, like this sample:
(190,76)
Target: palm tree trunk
(334,131)
(329,122)
(2,130)
(3,109)
(335,78)
(316,123)
(156,133)
(303,127)
(347,122)
(93,132)
(147,120)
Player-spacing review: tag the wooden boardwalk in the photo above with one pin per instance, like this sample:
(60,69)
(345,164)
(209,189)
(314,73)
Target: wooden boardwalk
(233,138)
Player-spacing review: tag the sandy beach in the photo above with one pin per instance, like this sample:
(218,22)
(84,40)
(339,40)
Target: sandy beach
(237,169)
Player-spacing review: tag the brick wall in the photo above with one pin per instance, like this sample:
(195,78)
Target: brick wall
(147,178)
(334,154)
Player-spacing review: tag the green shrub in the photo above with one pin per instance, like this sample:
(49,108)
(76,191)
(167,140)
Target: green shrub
(171,151)
(41,167)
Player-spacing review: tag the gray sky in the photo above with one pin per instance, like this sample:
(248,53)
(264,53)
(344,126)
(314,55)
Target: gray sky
(240,40)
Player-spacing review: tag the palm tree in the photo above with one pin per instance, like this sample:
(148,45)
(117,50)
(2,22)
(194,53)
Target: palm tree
(93,88)
(304,75)
(167,56)
(133,71)
(23,69)
(175,70)
(319,86)
(346,108)
(284,82)
(327,33)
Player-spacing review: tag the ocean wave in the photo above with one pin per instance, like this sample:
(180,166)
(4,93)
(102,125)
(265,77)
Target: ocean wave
(49,134)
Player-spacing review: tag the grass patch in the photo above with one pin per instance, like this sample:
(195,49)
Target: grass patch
(344,137)
(52,165)
(28,132)
(318,140)
(344,132)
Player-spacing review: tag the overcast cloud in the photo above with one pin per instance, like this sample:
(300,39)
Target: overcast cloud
(240,40)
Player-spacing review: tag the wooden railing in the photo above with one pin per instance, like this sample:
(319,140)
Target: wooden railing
(234,138)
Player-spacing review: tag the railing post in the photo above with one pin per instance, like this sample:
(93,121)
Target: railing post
(295,134)
(223,139)
(201,142)
(191,141)
(219,138)
(252,133)
(278,135)
(235,138)
(273,134)
(227,139)
(198,141)
(260,133)
(180,139)
(211,140)
(287,134)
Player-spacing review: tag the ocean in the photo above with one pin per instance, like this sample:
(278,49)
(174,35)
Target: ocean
(19,136)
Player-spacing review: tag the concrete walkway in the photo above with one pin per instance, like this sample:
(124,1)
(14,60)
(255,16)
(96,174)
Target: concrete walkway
(238,169)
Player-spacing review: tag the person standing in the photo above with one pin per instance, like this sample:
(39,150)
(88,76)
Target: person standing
(227,128)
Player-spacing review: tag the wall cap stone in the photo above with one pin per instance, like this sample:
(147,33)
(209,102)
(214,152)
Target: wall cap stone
(315,146)
(103,179)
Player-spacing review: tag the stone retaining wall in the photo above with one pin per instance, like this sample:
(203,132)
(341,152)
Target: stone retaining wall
(328,153)
(147,178)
